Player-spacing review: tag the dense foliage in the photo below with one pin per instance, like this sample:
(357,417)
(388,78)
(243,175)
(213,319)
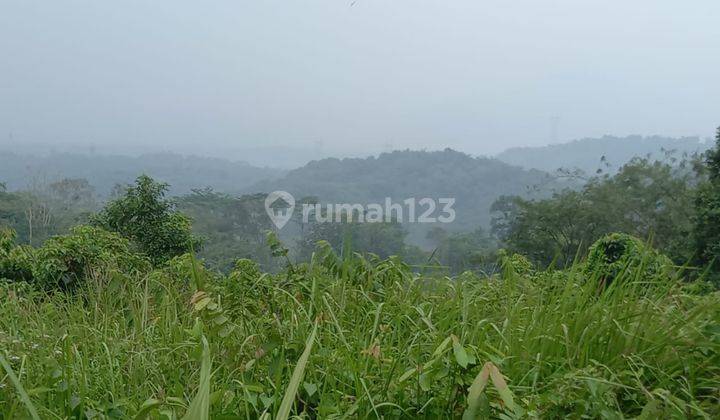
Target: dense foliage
(184,173)
(647,199)
(121,320)
(150,221)
(475,182)
(46,210)
(707,218)
(464,251)
(613,255)
(230,227)
(64,262)
(607,153)
(382,239)
(359,337)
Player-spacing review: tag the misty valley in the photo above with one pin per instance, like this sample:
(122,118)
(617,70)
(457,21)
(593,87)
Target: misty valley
(359,209)
(547,287)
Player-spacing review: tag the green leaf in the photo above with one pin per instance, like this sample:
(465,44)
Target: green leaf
(407,374)
(202,303)
(148,406)
(310,388)
(461,355)
(442,347)
(200,406)
(19,388)
(475,392)
(226,330)
(220,320)
(297,376)
(426,380)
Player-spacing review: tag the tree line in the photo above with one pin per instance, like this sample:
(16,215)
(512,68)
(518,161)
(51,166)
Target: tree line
(672,204)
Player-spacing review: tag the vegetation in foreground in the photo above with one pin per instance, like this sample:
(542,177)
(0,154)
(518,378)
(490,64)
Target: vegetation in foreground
(118,319)
(361,337)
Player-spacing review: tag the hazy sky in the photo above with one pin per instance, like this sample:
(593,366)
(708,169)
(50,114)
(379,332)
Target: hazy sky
(217,77)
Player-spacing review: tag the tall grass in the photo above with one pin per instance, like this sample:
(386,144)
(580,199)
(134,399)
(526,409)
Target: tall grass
(356,337)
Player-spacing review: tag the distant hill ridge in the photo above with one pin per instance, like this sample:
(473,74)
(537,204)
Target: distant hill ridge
(183,173)
(475,182)
(586,154)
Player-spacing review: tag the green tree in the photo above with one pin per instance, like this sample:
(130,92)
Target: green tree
(232,227)
(645,199)
(649,200)
(149,220)
(28,214)
(713,159)
(67,261)
(380,238)
(547,231)
(16,262)
(618,253)
(707,206)
(459,252)
(47,210)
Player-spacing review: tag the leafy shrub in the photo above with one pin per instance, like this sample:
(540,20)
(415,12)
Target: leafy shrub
(15,261)
(515,263)
(186,271)
(17,264)
(616,253)
(244,276)
(425,347)
(242,285)
(707,213)
(7,240)
(65,261)
(150,221)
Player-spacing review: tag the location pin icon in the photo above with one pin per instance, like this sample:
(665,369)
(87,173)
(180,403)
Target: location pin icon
(279,206)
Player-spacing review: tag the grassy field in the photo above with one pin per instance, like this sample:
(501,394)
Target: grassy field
(359,338)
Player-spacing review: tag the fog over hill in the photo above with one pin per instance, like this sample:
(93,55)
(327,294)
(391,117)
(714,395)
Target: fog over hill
(399,174)
(475,182)
(277,154)
(587,154)
(183,173)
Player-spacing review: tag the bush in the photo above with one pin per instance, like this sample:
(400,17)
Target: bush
(515,263)
(7,240)
(17,264)
(149,221)
(616,253)
(64,262)
(707,214)
(707,225)
(15,261)
(242,286)
(186,272)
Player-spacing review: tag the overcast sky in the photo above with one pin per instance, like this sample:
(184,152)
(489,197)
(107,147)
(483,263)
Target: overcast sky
(344,77)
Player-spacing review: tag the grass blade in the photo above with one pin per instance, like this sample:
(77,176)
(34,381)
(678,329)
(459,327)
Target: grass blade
(200,406)
(146,408)
(19,388)
(475,393)
(296,379)
(505,394)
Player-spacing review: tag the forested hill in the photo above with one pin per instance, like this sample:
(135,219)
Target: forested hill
(586,154)
(183,173)
(475,182)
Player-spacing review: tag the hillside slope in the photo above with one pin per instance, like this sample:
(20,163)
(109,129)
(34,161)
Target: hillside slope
(475,182)
(586,154)
(183,173)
